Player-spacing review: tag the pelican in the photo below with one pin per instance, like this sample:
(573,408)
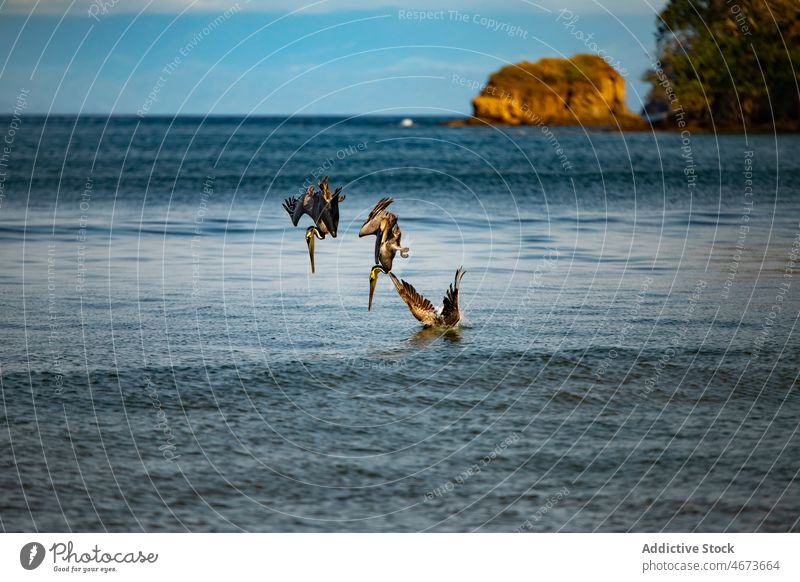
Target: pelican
(383,224)
(322,207)
(448,316)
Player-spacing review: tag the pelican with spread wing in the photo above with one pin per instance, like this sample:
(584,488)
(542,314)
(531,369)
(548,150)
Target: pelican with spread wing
(383,224)
(450,313)
(323,208)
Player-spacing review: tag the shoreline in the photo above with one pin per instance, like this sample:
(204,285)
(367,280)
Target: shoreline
(634,127)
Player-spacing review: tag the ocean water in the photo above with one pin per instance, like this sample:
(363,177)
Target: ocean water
(628,361)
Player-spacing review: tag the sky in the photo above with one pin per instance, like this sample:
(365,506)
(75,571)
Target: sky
(261,57)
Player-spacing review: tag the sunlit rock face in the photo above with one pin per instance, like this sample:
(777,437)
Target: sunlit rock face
(582,90)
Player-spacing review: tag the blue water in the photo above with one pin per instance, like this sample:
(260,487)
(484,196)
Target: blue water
(628,362)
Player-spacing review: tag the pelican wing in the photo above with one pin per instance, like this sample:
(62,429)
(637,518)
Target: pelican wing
(294,208)
(373,222)
(419,307)
(451,312)
(297,206)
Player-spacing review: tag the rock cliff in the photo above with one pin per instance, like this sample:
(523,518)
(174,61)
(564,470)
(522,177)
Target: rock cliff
(582,90)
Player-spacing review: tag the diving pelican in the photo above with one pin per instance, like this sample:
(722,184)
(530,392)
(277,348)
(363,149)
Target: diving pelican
(450,313)
(322,207)
(383,224)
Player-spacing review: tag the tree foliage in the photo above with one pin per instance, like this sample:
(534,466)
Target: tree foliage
(728,63)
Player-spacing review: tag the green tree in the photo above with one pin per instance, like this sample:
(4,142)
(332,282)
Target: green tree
(729,63)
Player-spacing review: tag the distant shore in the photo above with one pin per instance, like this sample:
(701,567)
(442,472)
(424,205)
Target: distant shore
(628,126)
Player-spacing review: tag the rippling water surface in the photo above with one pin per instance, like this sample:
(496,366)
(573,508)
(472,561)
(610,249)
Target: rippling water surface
(629,359)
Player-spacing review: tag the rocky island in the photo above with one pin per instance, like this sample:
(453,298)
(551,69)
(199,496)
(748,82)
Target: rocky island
(582,90)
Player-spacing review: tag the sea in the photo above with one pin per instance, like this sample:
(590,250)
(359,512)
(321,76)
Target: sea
(628,358)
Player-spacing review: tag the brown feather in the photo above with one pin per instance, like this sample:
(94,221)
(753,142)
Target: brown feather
(451,312)
(419,307)
(424,310)
(371,225)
